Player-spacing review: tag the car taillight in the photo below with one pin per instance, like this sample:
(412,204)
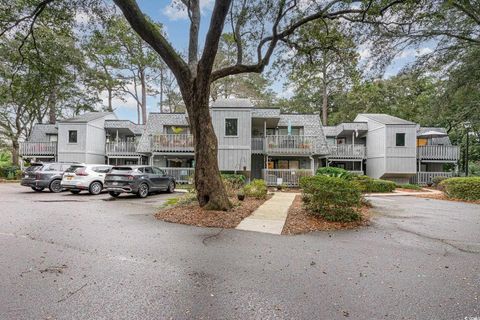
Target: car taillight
(130,178)
(81,172)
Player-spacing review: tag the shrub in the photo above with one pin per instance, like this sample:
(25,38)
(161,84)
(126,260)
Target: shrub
(409,186)
(10,172)
(233,183)
(256,189)
(334,172)
(332,198)
(467,188)
(370,185)
(436,181)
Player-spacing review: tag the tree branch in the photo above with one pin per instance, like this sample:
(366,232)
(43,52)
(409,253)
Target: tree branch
(150,33)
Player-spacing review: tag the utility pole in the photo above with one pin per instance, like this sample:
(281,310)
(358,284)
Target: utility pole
(466,154)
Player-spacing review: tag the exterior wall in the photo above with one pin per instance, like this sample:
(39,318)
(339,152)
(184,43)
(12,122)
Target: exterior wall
(375,150)
(401,160)
(72,151)
(234,153)
(95,142)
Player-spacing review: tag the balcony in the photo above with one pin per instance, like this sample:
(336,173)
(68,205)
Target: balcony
(289,177)
(347,151)
(290,145)
(172,143)
(121,148)
(181,175)
(438,153)
(38,148)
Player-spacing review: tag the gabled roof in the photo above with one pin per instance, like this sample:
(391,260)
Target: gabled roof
(385,118)
(124,124)
(87,117)
(40,132)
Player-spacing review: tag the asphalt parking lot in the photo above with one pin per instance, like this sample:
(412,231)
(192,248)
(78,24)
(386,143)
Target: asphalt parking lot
(69,256)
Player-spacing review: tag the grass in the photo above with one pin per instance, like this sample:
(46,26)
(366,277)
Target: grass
(409,186)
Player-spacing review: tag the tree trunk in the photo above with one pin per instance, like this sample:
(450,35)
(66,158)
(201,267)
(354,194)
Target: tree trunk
(15,151)
(110,98)
(144,96)
(325,106)
(211,192)
(52,111)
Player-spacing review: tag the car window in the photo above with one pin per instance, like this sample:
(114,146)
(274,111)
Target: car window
(73,168)
(34,168)
(54,167)
(102,169)
(148,170)
(65,166)
(158,171)
(140,170)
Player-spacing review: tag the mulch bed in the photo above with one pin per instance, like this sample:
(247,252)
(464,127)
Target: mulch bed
(300,221)
(194,215)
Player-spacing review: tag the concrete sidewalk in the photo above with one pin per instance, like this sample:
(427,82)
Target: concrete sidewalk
(270,216)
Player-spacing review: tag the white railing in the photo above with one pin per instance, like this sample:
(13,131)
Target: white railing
(357,172)
(121,148)
(425,178)
(438,152)
(258,145)
(172,143)
(181,175)
(38,148)
(347,151)
(290,177)
(284,144)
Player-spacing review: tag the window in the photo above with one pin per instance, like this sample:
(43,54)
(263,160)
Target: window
(341,140)
(52,138)
(72,136)
(231,127)
(400,139)
(148,170)
(158,171)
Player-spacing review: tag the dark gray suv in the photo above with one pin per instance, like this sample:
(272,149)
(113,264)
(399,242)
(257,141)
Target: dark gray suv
(140,180)
(45,175)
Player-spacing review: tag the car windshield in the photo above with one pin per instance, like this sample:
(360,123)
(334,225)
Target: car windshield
(34,167)
(73,168)
(121,170)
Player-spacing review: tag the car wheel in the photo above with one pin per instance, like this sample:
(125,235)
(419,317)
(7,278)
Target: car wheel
(142,190)
(38,189)
(55,186)
(171,187)
(75,191)
(95,188)
(114,194)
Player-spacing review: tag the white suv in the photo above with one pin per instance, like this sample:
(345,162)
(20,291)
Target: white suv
(89,177)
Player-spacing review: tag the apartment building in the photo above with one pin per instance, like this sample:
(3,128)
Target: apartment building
(260,143)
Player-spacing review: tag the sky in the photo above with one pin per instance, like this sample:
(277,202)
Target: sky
(176,26)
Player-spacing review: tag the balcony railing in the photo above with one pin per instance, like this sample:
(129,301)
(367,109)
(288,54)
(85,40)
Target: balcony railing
(425,178)
(258,145)
(290,177)
(172,143)
(284,144)
(38,148)
(438,152)
(181,175)
(347,151)
(121,148)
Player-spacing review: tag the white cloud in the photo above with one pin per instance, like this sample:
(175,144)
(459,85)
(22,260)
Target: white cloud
(414,53)
(177,11)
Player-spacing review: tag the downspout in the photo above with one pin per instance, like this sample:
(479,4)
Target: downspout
(312,164)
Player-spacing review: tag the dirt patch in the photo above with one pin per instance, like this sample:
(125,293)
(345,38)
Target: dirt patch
(300,221)
(410,190)
(194,215)
(443,196)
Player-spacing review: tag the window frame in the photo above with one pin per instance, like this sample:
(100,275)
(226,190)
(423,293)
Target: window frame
(397,135)
(76,136)
(225,127)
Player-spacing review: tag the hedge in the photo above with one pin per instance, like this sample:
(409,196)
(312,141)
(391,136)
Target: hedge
(409,186)
(467,188)
(332,198)
(256,189)
(334,172)
(369,185)
(10,172)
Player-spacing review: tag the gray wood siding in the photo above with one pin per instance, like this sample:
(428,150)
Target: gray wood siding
(401,160)
(72,151)
(234,153)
